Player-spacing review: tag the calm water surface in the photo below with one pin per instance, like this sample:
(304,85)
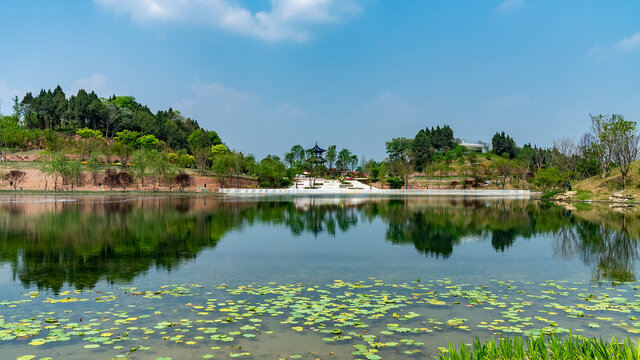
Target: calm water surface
(332,278)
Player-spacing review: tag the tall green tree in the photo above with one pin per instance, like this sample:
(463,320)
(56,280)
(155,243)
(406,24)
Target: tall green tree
(621,138)
(399,151)
(331,155)
(422,148)
(344,160)
(504,145)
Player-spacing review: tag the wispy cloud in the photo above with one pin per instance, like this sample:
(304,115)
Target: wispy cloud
(285,20)
(244,118)
(96,82)
(629,43)
(507,5)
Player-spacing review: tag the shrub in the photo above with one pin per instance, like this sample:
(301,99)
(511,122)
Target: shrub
(265,184)
(183,180)
(124,179)
(285,182)
(395,183)
(15,177)
(114,179)
(111,178)
(550,178)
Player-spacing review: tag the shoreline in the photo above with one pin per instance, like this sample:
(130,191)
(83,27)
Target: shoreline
(377,192)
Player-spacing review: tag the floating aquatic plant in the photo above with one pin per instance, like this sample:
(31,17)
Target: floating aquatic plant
(374,317)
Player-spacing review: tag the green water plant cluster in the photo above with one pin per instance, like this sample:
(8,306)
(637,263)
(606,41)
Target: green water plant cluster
(543,348)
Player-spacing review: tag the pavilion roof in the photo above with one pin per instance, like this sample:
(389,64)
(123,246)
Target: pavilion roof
(317,148)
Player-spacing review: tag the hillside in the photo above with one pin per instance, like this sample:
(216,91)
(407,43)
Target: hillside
(603,188)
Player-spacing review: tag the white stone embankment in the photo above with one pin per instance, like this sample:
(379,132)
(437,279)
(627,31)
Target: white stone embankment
(357,188)
(378,192)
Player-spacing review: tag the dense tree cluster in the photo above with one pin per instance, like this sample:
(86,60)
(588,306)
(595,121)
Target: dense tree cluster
(52,110)
(429,141)
(504,145)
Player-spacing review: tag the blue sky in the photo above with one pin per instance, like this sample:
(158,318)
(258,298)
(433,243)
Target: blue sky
(267,74)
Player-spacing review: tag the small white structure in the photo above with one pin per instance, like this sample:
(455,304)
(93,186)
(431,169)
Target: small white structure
(481,148)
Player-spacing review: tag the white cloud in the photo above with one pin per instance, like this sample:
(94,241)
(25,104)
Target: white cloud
(507,5)
(96,82)
(629,43)
(285,20)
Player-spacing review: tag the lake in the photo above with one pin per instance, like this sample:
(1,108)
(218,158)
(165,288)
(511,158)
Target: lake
(191,277)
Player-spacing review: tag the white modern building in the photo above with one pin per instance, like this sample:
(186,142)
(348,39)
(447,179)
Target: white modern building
(477,147)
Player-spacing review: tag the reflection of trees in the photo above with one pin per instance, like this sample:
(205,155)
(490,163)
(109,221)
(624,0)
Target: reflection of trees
(434,230)
(81,243)
(611,253)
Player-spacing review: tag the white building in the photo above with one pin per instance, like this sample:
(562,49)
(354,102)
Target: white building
(479,147)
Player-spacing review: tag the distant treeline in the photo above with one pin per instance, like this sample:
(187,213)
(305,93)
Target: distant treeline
(54,111)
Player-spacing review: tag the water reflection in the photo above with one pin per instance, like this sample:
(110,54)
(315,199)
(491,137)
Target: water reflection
(50,244)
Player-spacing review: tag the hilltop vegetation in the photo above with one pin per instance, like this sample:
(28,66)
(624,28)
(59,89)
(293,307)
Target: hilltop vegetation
(68,138)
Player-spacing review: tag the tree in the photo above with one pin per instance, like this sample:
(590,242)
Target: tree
(203,139)
(17,112)
(344,160)
(601,147)
(159,166)
(353,162)
(93,164)
(73,172)
(296,157)
(58,167)
(116,117)
(588,163)
(148,142)
(90,141)
(201,156)
(15,177)
(503,168)
(218,150)
(220,161)
(564,154)
(141,161)
(422,149)
(331,155)
(621,138)
(271,172)
(372,168)
(127,137)
(399,151)
(183,180)
(504,145)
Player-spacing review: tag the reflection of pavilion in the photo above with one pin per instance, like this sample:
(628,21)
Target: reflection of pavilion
(309,202)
